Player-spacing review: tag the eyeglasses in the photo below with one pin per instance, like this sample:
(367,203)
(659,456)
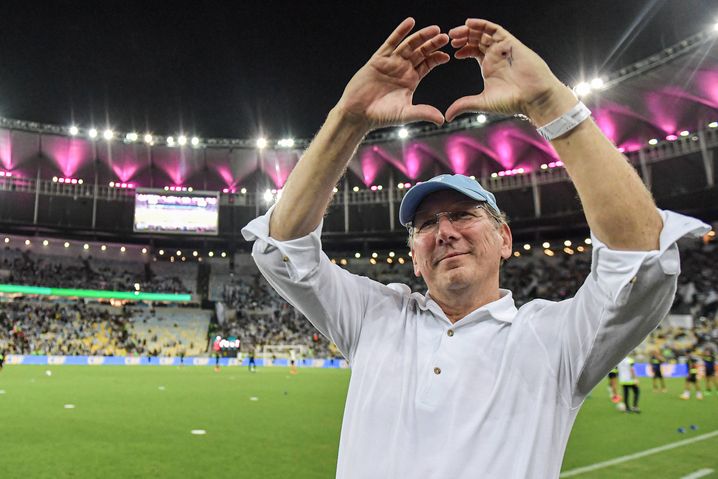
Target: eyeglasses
(460,219)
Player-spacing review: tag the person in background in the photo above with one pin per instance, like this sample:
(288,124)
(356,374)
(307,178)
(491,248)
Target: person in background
(613,386)
(692,378)
(628,380)
(709,366)
(656,361)
(252,363)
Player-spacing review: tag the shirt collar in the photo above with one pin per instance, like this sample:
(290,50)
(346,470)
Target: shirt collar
(503,309)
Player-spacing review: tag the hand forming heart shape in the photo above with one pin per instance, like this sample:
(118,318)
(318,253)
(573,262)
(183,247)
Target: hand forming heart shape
(516,79)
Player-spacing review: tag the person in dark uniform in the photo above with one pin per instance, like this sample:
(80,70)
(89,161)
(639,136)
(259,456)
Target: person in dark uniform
(613,386)
(656,361)
(216,362)
(252,363)
(709,364)
(2,359)
(692,378)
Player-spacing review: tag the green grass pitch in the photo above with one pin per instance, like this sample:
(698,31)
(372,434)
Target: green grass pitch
(137,422)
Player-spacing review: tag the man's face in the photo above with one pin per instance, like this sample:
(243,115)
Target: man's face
(459,255)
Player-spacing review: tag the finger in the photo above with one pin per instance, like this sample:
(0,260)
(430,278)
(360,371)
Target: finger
(401,31)
(469,51)
(465,104)
(422,113)
(429,47)
(431,62)
(483,25)
(459,32)
(494,30)
(459,42)
(413,41)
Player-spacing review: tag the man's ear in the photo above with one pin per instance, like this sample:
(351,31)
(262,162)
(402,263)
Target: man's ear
(417,271)
(506,241)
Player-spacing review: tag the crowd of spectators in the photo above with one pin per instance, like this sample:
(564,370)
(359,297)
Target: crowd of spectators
(261,317)
(64,328)
(26,268)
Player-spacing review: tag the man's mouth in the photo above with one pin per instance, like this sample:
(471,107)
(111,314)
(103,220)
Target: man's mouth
(450,255)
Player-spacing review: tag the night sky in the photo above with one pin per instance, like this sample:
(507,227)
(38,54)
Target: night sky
(240,69)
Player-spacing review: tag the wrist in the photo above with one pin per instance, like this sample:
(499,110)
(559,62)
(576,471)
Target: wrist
(356,122)
(551,105)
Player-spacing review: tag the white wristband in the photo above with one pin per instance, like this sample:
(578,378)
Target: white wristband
(565,123)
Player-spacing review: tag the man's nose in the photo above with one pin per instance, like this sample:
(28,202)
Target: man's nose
(445,230)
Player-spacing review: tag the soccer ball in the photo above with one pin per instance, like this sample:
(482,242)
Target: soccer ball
(621,407)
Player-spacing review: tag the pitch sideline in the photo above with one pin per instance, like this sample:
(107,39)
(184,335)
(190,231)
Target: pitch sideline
(637,455)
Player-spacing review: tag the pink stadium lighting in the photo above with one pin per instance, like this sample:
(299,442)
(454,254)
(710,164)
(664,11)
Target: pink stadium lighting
(671,138)
(621,149)
(373,187)
(407,185)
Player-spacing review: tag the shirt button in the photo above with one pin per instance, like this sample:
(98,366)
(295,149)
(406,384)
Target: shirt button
(285,259)
(437,370)
(450,332)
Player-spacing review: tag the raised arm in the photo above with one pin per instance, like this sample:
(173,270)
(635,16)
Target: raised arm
(380,94)
(619,209)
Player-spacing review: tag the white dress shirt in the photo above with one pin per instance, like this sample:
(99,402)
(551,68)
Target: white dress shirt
(493,395)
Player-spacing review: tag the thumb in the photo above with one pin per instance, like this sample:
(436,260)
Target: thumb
(422,113)
(466,104)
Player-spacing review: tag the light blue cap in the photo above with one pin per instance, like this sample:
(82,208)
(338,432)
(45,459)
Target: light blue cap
(462,184)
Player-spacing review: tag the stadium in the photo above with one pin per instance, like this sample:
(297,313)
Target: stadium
(139,339)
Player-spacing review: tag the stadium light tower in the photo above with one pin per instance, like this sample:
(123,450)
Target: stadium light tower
(261,143)
(481,118)
(74,130)
(108,134)
(92,133)
(403,133)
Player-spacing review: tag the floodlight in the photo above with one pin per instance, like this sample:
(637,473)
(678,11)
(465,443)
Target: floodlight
(582,89)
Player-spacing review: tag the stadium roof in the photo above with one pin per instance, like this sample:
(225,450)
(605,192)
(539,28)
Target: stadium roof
(274,68)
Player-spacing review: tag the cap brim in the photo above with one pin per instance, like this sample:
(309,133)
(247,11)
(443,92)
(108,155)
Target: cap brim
(418,193)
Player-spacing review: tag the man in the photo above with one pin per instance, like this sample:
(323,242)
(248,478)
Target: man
(658,381)
(458,382)
(613,386)
(692,378)
(628,380)
(709,366)
(252,365)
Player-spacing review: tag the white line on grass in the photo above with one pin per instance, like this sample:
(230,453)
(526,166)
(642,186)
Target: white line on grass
(630,457)
(697,474)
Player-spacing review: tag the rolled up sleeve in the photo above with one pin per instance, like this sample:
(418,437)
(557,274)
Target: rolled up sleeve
(626,295)
(334,300)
